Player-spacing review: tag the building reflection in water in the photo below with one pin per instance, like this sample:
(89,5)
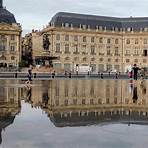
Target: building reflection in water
(10,105)
(86,102)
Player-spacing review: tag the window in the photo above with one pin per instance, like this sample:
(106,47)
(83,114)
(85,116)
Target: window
(101,59)
(108,67)
(128,41)
(100,40)
(92,49)
(84,38)
(116,51)
(12,58)
(127,60)
(76,49)
(58,47)
(66,37)
(144,60)
(12,47)
(66,25)
(75,102)
(145,41)
(83,101)
(117,67)
(58,37)
(136,52)
(108,41)
(75,38)
(116,60)
(127,52)
(109,60)
(67,48)
(92,39)
(101,67)
(99,101)
(12,37)
(3,43)
(145,52)
(108,52)
(136,60)
(136,41)
(116,41)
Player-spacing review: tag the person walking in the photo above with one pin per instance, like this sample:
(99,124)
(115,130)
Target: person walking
(135,71)
(30,74)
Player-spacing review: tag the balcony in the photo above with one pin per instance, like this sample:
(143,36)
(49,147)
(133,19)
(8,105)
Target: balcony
(93,53)
(135,55)
(117,54)
(76,53)
(102,54)
(67,52)
(84,53)
(58,52)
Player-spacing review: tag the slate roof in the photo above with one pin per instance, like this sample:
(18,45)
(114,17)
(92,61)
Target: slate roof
(92,20)
(6,16)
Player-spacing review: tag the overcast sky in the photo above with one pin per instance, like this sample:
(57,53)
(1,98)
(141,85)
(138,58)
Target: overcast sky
(36,13)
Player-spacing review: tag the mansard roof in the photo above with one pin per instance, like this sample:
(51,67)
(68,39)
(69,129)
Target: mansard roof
(6,16)
(135,23)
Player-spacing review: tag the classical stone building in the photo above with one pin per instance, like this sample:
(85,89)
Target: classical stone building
(10,35)
(104,43)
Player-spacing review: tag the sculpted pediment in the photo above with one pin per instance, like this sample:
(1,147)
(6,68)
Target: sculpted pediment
(4,26)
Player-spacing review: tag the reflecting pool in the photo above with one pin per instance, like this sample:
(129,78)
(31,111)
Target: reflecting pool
(74,114)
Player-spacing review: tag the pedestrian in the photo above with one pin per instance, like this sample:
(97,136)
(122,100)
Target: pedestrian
(30,74)
(135,71)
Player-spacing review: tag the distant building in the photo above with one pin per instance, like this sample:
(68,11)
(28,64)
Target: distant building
(103,43)
(10,35)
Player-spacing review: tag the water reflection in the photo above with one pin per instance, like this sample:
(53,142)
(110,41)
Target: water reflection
(77,102)
(86,102)
(10,106)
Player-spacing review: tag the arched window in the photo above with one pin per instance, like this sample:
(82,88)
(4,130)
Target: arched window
(3,43)
(12,58)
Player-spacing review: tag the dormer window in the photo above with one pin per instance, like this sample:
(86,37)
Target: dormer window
(100,28)
(66,25)
(129,29)
(84,26)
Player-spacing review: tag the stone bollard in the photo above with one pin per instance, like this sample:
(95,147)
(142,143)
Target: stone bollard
(53,74)
(116,75)
(34,75)
(16,75)
(101,75)
(69,74)
(65,74)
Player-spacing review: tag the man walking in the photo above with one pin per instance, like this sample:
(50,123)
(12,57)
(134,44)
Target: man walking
(135,71)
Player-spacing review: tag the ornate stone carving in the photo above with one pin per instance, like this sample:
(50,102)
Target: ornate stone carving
(46,42)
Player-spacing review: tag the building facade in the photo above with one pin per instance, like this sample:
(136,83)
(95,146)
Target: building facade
(10,39)
(103,43)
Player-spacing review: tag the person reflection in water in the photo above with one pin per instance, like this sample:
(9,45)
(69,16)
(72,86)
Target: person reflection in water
(29,91)
(135,95)
(45,99)
(131,86)
(143,86)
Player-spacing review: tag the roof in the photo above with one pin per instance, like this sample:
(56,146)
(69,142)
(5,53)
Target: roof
(105,21)
(6,16)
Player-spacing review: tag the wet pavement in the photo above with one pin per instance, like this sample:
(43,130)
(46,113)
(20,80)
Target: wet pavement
(74,114)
